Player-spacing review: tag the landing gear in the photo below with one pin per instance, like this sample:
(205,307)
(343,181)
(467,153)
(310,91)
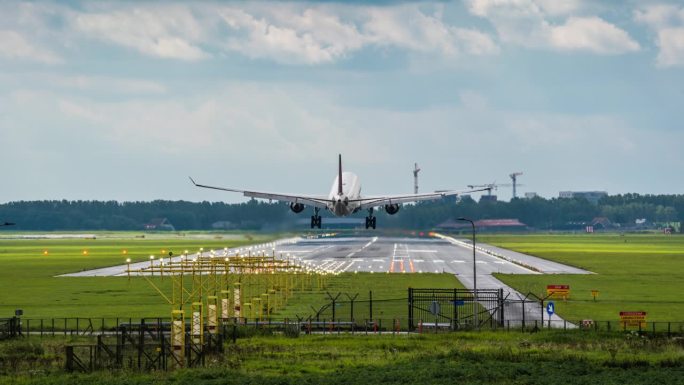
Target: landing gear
(316,219)
(370,219)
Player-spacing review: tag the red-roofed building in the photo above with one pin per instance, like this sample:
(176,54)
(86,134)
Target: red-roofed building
(484,225)
(499,223)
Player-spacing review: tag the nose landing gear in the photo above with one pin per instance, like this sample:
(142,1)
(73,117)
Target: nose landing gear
(370,219)
(316,219)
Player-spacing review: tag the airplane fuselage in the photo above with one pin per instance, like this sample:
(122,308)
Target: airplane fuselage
(343,201)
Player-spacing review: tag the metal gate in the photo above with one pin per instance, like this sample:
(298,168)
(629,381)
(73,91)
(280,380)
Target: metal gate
(454,308)
(9,328)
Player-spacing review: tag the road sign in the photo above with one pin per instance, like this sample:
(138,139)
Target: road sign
(459,302)
(550,308)
(434,308)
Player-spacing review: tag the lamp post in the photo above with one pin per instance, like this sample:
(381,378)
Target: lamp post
(475,310)
(128,269)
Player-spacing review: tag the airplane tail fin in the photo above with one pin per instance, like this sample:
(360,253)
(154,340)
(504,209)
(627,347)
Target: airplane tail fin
(339,177)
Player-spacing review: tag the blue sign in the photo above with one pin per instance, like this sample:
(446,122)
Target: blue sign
(550,308)
(459,303)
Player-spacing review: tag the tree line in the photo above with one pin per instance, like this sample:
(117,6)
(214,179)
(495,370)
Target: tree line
(540,213)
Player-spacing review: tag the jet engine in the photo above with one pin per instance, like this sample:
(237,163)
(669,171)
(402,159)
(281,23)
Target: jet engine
(297,207)
(392,209)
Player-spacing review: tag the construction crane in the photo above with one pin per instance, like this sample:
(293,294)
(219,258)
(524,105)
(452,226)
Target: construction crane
(514,178)
(490,186)
(415,178)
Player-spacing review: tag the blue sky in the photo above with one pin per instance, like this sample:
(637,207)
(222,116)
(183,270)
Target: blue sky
(124,100)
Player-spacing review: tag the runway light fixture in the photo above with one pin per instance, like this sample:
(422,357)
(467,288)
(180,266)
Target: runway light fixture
(85,252)
(128,268)
(45,252)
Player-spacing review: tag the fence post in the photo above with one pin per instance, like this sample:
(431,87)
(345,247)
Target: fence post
(69,358)
(370,303)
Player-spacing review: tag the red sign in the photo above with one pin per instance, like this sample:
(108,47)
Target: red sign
(558,291)
(633,318)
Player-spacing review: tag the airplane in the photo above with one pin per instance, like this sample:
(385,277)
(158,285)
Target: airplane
(344,198)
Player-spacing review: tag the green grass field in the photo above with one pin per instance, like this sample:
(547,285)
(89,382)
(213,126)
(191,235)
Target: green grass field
(28,276)
(633,273)
(549,357)
(28,280)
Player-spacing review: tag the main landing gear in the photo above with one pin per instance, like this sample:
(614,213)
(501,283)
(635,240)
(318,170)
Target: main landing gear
(316,219)
(370,219)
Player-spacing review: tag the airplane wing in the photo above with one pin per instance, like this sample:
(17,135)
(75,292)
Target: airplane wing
(308,200)
(368,202)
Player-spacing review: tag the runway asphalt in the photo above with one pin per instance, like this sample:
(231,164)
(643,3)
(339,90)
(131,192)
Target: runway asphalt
(405,255)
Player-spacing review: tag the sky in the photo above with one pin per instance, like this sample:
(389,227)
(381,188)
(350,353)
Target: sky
(124,100)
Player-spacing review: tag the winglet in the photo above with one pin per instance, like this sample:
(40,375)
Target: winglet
(339,178)
(193,181)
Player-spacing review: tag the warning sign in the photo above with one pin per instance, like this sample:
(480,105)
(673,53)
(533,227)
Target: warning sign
(633,318)
(558,291)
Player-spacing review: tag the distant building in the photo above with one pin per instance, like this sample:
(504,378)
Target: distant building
(531,195)
(602,223)
(223,225)
(159,224)
(336,223)
(484,225)
(488,198)
(592,196)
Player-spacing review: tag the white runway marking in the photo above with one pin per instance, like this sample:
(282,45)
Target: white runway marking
(421,251)
(457,261)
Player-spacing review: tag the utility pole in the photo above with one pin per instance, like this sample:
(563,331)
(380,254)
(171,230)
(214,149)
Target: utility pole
(415,178)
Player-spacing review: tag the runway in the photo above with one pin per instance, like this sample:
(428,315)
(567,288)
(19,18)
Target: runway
(405,256)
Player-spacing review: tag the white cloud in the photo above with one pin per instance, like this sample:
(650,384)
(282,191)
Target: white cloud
(291,33)
(15,46)
(320,38)
(532,23)
(409,28)
(592,34)
(668,23)
(318,35)
(671,44)
(166,32)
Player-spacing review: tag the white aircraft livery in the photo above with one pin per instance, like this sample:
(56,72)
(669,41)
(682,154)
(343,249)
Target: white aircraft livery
(344,198)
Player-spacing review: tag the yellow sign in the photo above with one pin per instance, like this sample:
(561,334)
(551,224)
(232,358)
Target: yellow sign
(558,291)
(633,319)
(594,293)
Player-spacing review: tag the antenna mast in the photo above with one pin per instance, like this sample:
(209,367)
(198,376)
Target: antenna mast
(415,178)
